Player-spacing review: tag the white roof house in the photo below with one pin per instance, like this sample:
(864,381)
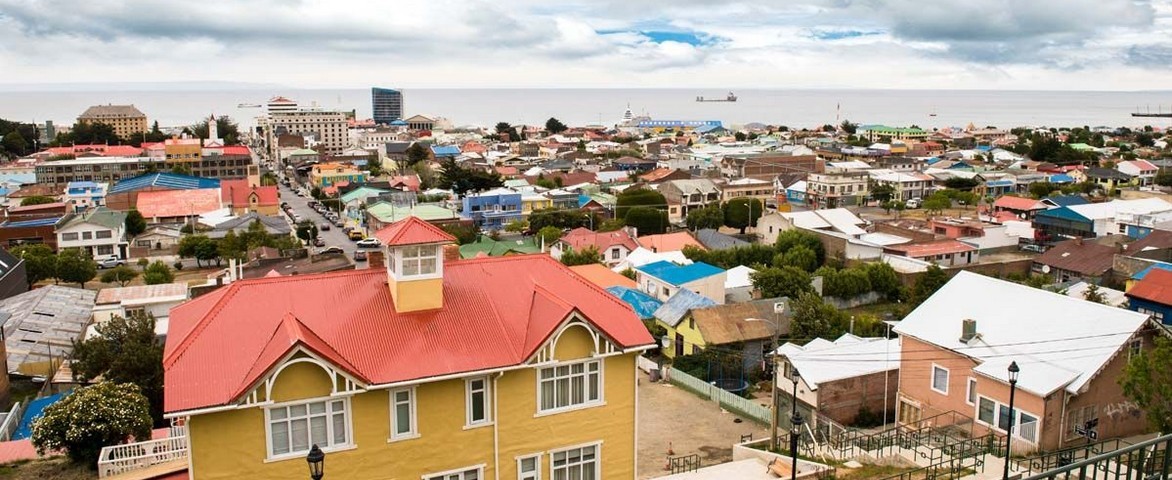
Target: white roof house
(739,277)
(1058,342)
(821,361)
(642,256)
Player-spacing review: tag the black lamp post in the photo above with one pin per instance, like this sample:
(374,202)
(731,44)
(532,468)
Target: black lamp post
(1013,370)
(317,462)
(794,438)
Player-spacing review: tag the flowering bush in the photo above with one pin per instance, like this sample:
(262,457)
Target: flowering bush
(90,418)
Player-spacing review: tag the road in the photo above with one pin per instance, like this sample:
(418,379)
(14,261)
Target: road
(335,236)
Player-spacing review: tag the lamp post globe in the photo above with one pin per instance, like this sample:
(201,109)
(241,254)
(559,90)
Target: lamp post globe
(317,462)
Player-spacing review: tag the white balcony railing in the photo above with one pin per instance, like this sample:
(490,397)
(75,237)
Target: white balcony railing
(133,456)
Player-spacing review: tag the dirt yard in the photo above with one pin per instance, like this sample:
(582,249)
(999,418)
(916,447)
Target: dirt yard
(671,417)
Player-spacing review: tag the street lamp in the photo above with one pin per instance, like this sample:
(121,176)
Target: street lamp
(794,438)
(317,462)
(1013,371)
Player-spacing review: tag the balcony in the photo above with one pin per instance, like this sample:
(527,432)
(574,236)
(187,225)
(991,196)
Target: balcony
(160,456)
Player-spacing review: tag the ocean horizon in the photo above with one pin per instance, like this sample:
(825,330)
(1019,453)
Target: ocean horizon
(795,108)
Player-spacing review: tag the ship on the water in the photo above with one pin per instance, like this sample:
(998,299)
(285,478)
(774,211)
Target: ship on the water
(729,98)
(248,105)
(1159,113)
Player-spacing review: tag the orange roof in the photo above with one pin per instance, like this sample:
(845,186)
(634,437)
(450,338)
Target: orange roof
(669,242)
(412,231)
(101,150)
(581,237)
(656,174)
(497,312)
(236,192)
(178,203)
(1018,203)
(234,150)
(1156,287)
(598,274)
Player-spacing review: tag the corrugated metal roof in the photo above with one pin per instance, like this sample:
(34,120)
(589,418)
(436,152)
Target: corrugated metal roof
(43,323)
(643,304)
(497,312)
(172,181)
(412,231)
(679,274)
(1156,287)
(674,309)
(38,222)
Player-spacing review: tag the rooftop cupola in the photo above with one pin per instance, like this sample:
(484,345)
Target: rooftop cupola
(414,260)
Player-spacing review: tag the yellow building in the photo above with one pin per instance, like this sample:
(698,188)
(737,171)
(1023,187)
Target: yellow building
(128,121)
(533,201)
(326,174)
(428,369)
(182,151)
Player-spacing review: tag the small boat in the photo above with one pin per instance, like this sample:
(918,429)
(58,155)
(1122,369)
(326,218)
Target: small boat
(248,105)
(730,98)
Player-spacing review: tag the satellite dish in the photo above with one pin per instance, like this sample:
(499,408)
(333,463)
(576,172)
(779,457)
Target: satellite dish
(666,341)
(1045,269)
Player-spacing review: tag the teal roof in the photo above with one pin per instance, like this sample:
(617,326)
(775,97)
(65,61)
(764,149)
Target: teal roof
(1064,213)
(387,213)
(170,181)
(679,274)
(498,248)
(643,304)
(361,193)
(1155,266)
(103,216)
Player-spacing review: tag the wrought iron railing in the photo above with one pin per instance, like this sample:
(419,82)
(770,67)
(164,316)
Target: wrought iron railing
(683,463)
(1147,460)
(1066,456)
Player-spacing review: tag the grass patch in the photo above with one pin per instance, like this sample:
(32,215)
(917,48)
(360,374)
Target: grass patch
(52,468)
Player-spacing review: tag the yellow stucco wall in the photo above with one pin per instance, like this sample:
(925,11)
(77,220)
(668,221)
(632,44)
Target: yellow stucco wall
(693,340)
(232,444)
(413,295)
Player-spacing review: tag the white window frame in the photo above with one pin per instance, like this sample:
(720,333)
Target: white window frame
(587,402)
(597,458)
(330,447)
(1016,422)
(402,259)
(534,475)
(970,394)
(456,474)
(486,390)
(412,403)
(932,379)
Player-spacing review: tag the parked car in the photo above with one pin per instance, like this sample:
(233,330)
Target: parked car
(313,204)
(324,227)
(913,203)
(339,223)
(329,250)
(1032,247)
(318,242)
(359,256)
(355,235)
(369,243)
(111,261)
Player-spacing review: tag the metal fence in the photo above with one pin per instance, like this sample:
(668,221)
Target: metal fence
(1144,460)
(726,399)
(11,422)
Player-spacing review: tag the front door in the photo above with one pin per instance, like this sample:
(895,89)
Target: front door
(679,345)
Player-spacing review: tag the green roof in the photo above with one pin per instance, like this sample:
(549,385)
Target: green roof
(1081,146)
(497,248)
(303,151)
(886,129)
(387,213)
(361,193)
(103,216)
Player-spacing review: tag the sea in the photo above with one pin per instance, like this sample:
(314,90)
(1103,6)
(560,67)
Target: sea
(794,108)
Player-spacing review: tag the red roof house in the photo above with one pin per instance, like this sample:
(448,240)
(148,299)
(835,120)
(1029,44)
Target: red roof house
(242,198)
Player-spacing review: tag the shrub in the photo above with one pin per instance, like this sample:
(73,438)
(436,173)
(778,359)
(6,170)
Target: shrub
(91,418)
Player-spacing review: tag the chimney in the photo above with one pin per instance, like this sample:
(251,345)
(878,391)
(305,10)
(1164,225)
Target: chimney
(375,259)
(451,252)
(968,330)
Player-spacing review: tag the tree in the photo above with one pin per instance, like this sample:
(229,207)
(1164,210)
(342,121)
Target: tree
(548,235)
(882,192)
(1042,189)
(848,127)
(155,134)
(517,226)
(562,219)
(268,179)
(93,417)
(14,142)
(135,223)
(89,133)
(226,129)
(814,318)
(711,216)
(585,256)
(927,284)
(317,193)
(647,220)
(740,136)
(776,282)
(232,246)
(465,233)
(463,180)
(37,200)
(125,350)
(743,212)
(40,263)
(199,247)
(961,183)
(936,204)
(555,126)
(416,154)
(503,128)
(306,230)
(638,197)
(794,237)
(181,169)
(1092,294)
(74,266)
(800,256)
(158,273)
(1147,381)
(967,198)
(120,274)
(884,280)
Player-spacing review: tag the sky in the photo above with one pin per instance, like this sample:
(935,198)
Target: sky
(908,44)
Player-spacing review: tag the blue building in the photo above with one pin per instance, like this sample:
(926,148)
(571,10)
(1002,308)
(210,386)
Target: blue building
(441,152)
(386,105)
(83,195)
(1057,224)
(494,209)
(1152,295)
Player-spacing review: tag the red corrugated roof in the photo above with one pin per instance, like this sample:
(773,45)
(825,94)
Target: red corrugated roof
(178,203)
(1156,286)
(497,312)
(583,237)
(1018,203)
(235,193)
(412,231)
(235,150)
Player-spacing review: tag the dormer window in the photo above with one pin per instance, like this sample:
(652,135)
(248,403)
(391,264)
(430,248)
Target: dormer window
(419,260)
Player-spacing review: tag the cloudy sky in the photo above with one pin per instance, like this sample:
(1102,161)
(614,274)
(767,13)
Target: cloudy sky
(995,44)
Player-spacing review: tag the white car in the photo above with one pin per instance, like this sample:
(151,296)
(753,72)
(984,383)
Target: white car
(368,243)
(913,203)
(109,261)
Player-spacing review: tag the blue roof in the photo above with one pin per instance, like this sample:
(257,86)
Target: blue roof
(677,123)
(1067,200)
(983,148)
(172,181)
(37,222)
(398,123)
(679,274)
(679,305)
(81,184)
(644,305)
(1159,265)
(451,150)
(33,412)
(1063,213)
(1061,178)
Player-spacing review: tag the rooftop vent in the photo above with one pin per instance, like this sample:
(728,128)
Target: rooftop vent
(968,330)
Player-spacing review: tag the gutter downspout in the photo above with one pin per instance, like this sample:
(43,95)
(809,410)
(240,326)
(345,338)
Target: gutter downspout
(496,452)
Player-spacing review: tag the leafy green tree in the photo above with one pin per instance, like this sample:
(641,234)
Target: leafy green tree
(848,127)
(37,200)
(708,217)
(93,417)
(517,226)
(89,134)
(126,350)
(937,204)
(416,153)
(814,318)
(464,233)
(562,219)
(794,237)
(74,266)
(927,283)
(199,247)
(845,283)
(647,220)
(740,136)
(961,183)
(610,225)
(306,230)
(638,197)
(226,129)
(135,223)
(181,169)
(120,274)
(268,179)
(317,193)
(14,142)
(1147,381)
(1042,189)
(231,246)
(786,281)
(503,128)
(40,263)
(884,279)
(462,180)
(743,212)
(158,273)
(549,235)
(800,256)
(583,256)
(155,134)
(555,126)
(882,192)
(1093,294)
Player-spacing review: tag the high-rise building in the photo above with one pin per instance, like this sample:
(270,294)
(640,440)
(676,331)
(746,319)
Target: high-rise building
(329,128)
(387,105)
(128,122)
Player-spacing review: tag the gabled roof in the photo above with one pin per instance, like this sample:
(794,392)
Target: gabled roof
(412,231)
(101,216)
(1088,258)
(387,212)
(1155,287)
(580,238)
(272,224)
(497,312)
(849,356)
(669,242)
(1057,341)
(171,181)
(1065,200)
(1018,203)
(737,322)
(678,306)
(178,203)
(236,193)
(714,240)
(678,275)
(598,274)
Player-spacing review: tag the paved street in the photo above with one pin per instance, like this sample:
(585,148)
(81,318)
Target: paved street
(335,236)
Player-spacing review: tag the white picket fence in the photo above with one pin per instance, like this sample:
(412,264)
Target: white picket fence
(726,399)
(11,422)
(117,459)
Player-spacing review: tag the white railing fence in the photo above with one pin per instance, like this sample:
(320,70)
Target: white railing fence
(646,364)
(725,398)
(133,456)
(1028,431)
(11,422)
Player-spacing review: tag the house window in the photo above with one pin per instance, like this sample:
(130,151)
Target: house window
(294,428)
(142,243)
(473,473)
(419,260)
(403,423)
(103,234)
(105,249)
(477,400)
(87,235)
(69,237)
(1025,426)
(614,254)
(576,464)
(1003,417)
(529,468)
(971,394)
(940,379)
(1134,347)
(985,410)
(564,387)
(1146,311)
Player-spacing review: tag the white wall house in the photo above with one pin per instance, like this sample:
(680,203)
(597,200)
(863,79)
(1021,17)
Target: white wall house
(97,231)
(663,279)
(155,300)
